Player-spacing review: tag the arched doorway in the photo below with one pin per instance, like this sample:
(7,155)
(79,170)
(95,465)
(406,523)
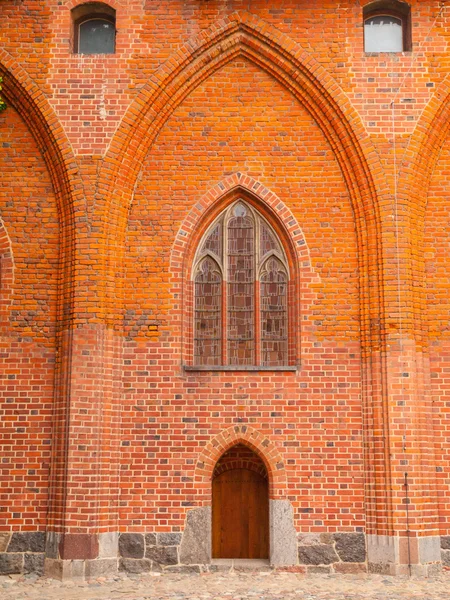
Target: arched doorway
(240,505)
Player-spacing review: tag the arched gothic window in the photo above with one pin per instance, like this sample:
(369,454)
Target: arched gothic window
(240,281)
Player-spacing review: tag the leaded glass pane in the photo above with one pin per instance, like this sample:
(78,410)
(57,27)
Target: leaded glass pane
(274,336)
(241,288)
(96,36)
(208,314)
(267,240)
(213,241)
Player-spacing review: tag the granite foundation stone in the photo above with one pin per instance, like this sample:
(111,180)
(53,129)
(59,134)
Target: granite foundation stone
(445,542)
(29,541)
(351,547)
(150,539)
(34,563)
(108,544)
(137,566)
(283,536)
(163,555)
(196,541)
(445,557)
(319,554)
(11,564)
(100,568)
(169,539)
(52,544)
(131,545)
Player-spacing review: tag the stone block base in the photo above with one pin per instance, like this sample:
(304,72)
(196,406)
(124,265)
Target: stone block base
(333,553)
(66,570)
(22,552)
(402,556)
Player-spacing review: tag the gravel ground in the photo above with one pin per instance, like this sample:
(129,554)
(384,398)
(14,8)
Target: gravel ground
(270,585)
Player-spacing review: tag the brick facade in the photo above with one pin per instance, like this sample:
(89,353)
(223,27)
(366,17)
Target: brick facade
(112,168)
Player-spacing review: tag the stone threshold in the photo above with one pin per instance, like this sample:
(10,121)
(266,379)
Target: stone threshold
(252,564)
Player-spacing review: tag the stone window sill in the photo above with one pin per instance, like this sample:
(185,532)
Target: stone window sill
(292,368)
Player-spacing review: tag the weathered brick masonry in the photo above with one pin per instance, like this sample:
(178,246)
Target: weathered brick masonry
(112,169)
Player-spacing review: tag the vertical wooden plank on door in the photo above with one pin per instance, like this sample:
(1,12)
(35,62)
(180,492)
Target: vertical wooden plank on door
(240,515)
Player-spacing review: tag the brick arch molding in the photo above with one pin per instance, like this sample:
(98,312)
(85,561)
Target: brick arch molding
(112,3)
(196,222)
(259,443)
(31,104)
(189,232)
(27,99)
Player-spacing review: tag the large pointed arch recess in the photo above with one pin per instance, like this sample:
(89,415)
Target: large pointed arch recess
(241,34)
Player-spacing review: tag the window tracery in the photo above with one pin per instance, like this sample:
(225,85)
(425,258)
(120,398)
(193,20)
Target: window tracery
(240,280)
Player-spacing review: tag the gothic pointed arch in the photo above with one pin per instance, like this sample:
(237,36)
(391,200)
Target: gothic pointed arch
(259,443)
(416,165)
(32,105)
(243,34)
(21,93)
(34,108)
(293,251)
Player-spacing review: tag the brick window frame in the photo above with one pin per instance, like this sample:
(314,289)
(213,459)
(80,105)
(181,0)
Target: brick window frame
(294,249)
(304,279)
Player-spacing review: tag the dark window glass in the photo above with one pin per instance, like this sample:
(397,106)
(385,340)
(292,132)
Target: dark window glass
(208,314)
(96,36)
(241,287)
(274,340)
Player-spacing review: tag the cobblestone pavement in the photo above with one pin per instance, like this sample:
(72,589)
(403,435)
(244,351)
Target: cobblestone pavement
(269,585)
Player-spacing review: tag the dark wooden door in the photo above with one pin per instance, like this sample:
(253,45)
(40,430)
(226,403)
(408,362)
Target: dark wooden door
(240,515)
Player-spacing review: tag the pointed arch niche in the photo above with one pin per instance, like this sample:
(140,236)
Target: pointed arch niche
(240,505)
(241,252)
(241,447)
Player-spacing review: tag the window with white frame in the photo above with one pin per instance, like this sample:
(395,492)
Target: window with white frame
(387,26)
(240,280)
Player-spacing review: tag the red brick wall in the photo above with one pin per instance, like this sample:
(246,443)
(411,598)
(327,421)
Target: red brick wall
(242,120)
(298,107)
(437,291)
(28,283)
